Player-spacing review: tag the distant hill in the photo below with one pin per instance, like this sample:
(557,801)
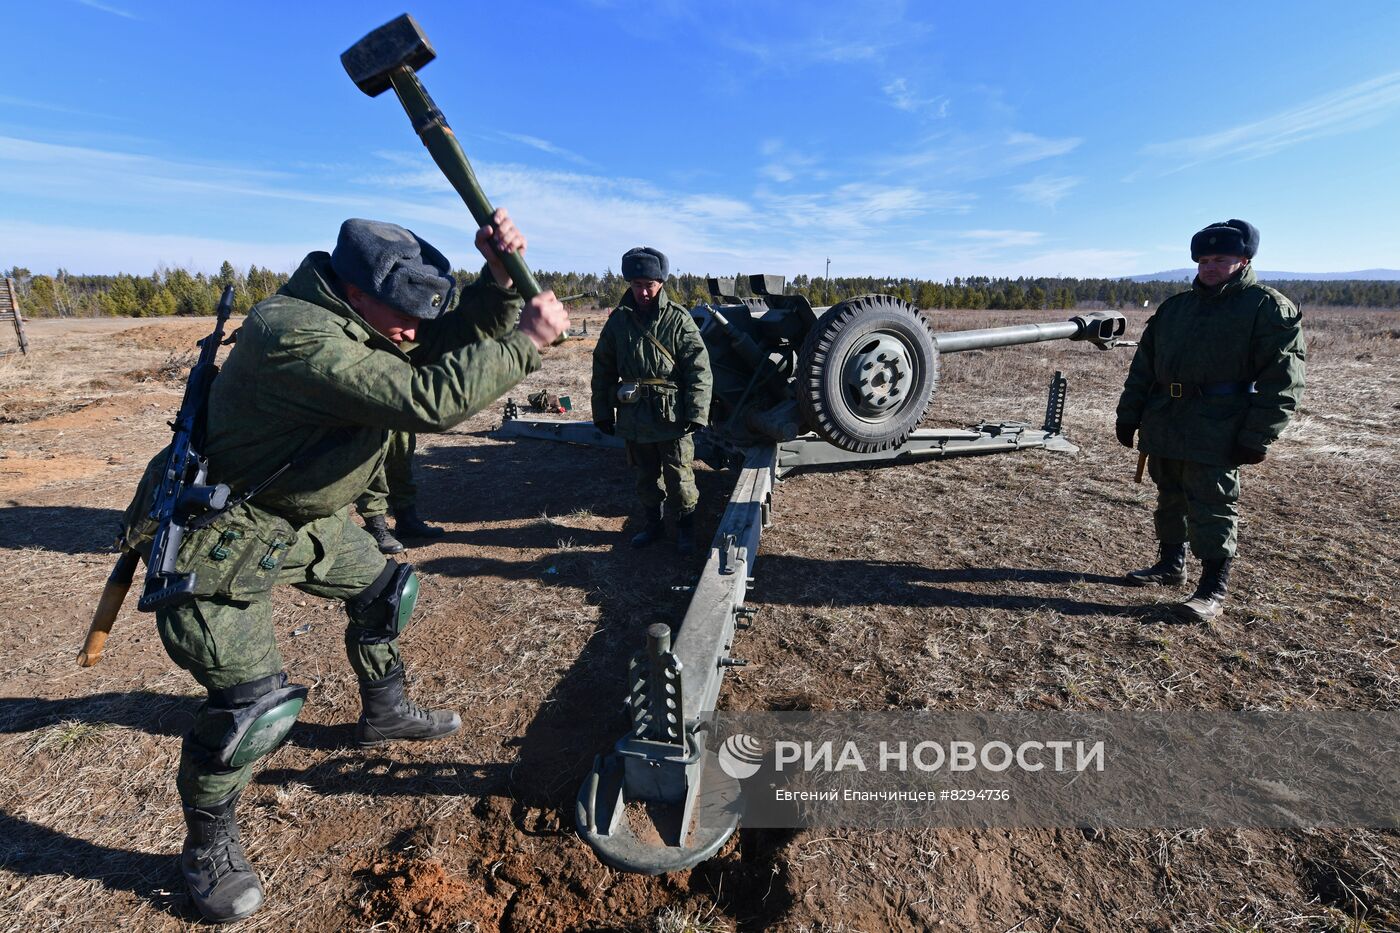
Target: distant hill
(1365,275)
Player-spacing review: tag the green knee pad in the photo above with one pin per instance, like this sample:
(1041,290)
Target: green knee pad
(382,611)
(259,715)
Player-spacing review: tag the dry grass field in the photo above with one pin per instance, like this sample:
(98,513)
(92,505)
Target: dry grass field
(984,583)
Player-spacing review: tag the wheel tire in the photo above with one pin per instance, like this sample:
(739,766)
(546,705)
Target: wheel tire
(866,373)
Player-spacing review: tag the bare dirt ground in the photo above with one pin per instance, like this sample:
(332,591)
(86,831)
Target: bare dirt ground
(986,583)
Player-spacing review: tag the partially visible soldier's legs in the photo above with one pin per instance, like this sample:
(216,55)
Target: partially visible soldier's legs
(403,488)
(1169,517)
(651,489)
(379,598)
(335,559)
(373,506)
(678,472)
(223,643)
(374,500)
(679,476)
(228,646)
(1212,495)
(398,470)
(646,459)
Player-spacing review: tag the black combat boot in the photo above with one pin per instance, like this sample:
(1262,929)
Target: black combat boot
(390,716)
(1205,604)
(222,884)
(1170,569)
(409,525)
(378,527)
(654,531)
(685,534)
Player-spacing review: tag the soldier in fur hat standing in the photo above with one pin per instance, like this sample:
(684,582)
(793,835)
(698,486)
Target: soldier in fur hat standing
(1217,375)
(651,387)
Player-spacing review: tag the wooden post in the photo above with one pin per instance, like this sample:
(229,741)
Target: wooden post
(9,310)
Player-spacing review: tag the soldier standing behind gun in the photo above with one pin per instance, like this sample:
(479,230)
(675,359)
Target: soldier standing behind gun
(318,379)
(1216,377)
(651,386)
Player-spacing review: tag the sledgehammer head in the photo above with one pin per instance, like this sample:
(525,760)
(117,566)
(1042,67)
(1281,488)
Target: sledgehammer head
(399,42)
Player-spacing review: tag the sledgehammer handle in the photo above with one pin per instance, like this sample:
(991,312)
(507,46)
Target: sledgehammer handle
(113,595)
(432,128)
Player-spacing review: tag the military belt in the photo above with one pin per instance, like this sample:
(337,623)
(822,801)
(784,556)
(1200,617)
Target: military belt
(1193,389)
(652,382)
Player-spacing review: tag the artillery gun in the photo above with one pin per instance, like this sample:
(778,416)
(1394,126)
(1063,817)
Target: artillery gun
(848,383)
(794,386)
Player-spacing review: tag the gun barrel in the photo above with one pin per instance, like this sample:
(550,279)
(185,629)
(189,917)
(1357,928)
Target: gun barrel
(1099,327)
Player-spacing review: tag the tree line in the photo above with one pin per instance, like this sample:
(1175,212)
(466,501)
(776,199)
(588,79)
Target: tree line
(166,291)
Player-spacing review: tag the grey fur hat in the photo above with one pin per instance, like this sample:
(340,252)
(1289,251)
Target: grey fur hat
(394,265)
(1227,238)
(645,262)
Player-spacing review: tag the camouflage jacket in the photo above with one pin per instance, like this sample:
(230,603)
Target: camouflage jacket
(1201,341)
(308,375)
(664,354)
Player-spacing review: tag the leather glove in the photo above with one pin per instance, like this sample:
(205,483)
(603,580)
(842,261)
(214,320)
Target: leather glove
(1241,454)
(607,427)
(693,427)
(1125,432)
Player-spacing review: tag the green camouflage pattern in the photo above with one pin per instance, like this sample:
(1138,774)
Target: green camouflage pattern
(393,487)
(625,353)
(1196,503)
(306,368)
(665,473)
(1244,332)
(226,637)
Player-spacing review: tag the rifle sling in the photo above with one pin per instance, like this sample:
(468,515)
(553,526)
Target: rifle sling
(325,445)
(637,318)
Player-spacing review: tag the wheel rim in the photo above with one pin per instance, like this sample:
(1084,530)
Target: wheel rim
(877,376)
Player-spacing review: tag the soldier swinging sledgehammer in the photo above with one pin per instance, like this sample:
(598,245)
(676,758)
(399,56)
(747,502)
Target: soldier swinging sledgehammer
(319,366)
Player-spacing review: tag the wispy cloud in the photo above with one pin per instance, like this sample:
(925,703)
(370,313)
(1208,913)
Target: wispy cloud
(817,50)
(9,101)
(859,206)
(844,33)
(960,154)
(115,178)
(1004,238)
(1351,108)
(904,97)
(1046,190)
(1084,263)
(783,165)
(105,250)
(1028,147)
(108,8)
(544,145)
(575,219)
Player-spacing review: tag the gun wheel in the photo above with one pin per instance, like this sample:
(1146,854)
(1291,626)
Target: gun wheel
(867,372)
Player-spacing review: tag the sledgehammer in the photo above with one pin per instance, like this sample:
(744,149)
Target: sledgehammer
(390,56)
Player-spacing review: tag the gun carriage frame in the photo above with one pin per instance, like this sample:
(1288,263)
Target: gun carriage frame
(795,386)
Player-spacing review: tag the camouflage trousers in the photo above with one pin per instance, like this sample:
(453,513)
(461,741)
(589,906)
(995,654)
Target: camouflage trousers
(1196,502)
(224,641)
(393,486)
(665,473)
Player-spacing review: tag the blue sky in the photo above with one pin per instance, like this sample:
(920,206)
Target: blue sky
(937,139)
